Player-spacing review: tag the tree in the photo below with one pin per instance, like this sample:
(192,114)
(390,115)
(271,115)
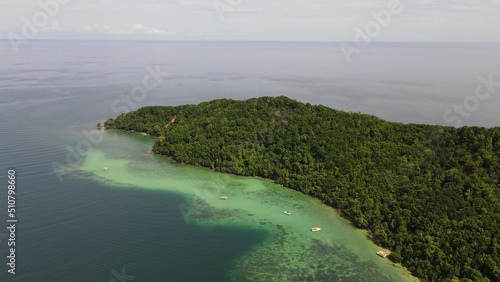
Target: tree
(429,192)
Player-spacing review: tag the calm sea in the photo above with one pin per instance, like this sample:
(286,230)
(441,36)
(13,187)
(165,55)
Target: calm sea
(72,229)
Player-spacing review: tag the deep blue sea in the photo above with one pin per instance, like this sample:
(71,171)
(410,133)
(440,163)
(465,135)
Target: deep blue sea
(52,91)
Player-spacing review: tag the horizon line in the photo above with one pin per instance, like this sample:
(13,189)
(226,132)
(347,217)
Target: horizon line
(247,40)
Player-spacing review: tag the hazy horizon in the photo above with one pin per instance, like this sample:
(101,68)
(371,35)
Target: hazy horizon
(298,20)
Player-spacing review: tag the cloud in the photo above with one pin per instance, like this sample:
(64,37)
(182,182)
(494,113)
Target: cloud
(439,20)
(140,28)
(98,28)
(135,29)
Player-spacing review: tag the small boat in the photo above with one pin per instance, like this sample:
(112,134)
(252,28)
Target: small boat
(223,198)
(314,229)
(105,168)
(382,254)
(286,212)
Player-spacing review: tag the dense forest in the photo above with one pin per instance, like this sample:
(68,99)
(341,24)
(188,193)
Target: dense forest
(428,193)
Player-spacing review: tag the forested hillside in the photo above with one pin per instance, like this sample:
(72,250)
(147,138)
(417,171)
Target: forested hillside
(428,193)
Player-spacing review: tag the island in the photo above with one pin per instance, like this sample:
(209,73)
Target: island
(428,193)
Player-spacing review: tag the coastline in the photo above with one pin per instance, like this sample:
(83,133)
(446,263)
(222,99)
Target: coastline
(362,233)
(376,173)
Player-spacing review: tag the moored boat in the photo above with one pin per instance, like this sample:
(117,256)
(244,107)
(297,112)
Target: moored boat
(287,212)
(382,254)
(223,198)
(315,229)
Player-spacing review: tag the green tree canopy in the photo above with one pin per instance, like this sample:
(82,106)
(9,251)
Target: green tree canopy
(429,193)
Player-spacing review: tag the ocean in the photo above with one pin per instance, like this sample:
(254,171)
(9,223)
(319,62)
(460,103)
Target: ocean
(147,219)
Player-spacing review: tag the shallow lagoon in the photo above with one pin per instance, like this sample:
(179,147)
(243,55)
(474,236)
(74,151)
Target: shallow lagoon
(291,251)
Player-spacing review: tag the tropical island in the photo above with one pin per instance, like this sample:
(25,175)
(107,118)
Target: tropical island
(428,193)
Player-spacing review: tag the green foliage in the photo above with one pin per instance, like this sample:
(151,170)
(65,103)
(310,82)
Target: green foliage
(429,193)
(395,257)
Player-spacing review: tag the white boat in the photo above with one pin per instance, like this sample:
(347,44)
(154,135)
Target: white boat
(382,254)
(223,198)
(105,168)
(315,229)
(286,212)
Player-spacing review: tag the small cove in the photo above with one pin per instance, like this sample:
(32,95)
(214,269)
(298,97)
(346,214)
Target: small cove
(290,252)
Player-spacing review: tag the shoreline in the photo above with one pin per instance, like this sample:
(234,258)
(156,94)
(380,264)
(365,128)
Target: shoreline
(365,232)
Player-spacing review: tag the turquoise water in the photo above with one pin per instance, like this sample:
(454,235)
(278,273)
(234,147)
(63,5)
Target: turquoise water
(290,251)
(157,221)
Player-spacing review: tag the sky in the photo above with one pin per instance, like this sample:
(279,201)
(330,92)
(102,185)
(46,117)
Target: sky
(281,20)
